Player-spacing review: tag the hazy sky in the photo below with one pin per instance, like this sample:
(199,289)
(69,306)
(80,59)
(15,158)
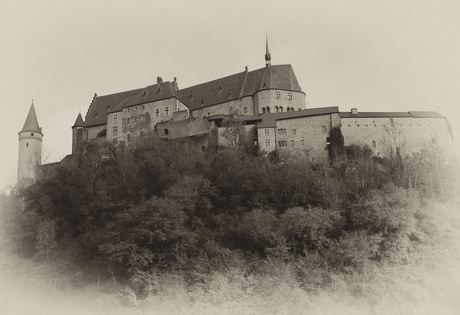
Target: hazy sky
(375,55)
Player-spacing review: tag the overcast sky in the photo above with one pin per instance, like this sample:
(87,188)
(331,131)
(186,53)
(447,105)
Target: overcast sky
(374,55)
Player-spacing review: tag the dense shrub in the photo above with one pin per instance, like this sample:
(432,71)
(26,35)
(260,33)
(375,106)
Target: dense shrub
(161,207)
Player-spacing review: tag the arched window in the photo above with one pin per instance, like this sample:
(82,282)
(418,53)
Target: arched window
(292,109)
(281,108)
(166,132)
(276,109)
(263,110)
(268,109)
(288,109)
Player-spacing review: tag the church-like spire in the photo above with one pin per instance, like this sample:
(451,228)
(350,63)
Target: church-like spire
(268,57)
(31,123)
(79,122)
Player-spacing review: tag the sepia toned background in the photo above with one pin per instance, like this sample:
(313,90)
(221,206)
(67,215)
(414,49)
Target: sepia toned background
(376,56)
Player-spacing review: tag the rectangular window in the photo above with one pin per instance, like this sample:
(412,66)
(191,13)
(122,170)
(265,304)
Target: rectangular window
(277,94)
(302,142)
(245,110)
(282,143)
(166,111)
(289,96)
(128,121)
(114,131)
(292,143)
(141,134)
(267,132)
(128,136)
(267,142)
(294,131)
(115,118)
(282,131)
(157,112)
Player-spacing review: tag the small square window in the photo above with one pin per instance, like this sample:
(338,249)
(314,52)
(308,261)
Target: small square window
(294,131)
(302,142)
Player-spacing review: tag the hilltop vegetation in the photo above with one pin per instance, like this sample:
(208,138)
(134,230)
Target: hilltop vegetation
(234,224)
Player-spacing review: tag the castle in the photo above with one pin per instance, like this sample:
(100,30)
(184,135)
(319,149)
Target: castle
(268,104)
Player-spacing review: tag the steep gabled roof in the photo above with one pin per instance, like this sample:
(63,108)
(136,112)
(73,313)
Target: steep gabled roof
(97,112)
(31,123)
(153,93)
(239,85)
(212,92)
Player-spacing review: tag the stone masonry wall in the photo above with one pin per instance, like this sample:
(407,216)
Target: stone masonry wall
(410,134)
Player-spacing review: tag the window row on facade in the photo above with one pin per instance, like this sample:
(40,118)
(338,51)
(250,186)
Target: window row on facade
(278,95)
(277,109)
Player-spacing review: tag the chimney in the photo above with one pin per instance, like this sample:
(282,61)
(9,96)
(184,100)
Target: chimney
(354,111)
(174,84)
(159,80)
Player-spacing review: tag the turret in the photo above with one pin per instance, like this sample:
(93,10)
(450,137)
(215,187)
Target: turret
(30,148)
(78,129)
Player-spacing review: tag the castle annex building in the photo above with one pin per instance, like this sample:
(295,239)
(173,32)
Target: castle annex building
(268,102)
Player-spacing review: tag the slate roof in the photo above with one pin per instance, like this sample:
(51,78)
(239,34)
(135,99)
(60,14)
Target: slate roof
(239,85)
(97,112)
(31,123)
(269,120)
(79,121)
(211,93)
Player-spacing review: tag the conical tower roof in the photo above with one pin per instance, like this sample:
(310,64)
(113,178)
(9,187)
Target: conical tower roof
(31,124)
(79,122)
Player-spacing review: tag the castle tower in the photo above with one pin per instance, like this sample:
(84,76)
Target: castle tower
(30,148)
(77,132)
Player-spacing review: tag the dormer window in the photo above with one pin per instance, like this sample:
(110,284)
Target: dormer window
(145,94)
(230,95)
(220,89)
(191,96)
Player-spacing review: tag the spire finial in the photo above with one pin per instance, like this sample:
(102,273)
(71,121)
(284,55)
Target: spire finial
(268,57)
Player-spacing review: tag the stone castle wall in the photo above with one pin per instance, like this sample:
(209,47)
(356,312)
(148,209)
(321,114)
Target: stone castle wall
(384,133)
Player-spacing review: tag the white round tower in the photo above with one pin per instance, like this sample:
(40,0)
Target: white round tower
(30,149)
